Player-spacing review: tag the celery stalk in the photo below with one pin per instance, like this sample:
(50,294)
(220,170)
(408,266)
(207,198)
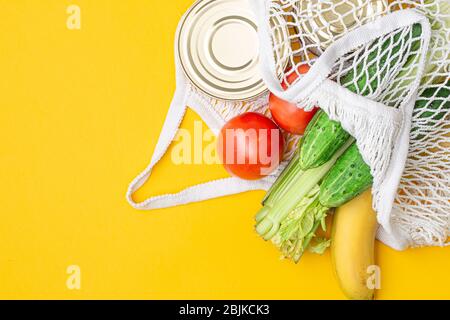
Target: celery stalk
(271,216)
(281,185)
(300,226)
(284,180)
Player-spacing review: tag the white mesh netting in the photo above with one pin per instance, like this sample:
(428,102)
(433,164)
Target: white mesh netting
(386,52)
(422,206)
(379,67)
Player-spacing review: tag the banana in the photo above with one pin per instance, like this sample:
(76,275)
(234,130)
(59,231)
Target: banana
(352,246)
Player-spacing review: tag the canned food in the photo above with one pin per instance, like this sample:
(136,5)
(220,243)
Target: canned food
(218,48)
(325,21)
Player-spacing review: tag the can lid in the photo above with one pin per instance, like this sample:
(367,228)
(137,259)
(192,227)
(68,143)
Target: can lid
(328,19)
(218,48)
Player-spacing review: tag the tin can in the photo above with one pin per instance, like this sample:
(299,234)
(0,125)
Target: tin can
(326,20)
(218,48)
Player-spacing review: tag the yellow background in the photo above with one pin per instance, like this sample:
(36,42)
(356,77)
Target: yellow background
(80,113)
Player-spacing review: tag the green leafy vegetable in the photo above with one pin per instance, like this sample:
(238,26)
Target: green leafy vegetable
(299,227)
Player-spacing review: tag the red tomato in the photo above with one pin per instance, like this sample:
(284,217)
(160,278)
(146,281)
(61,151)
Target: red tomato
(287,115)
(250,146)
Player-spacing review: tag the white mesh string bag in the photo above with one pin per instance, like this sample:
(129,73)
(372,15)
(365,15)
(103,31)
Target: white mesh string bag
(368,66)
(380,68)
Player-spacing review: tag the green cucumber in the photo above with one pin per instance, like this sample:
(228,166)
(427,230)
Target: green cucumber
(370,67)
(323,138)
(438,108)
(349,177)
